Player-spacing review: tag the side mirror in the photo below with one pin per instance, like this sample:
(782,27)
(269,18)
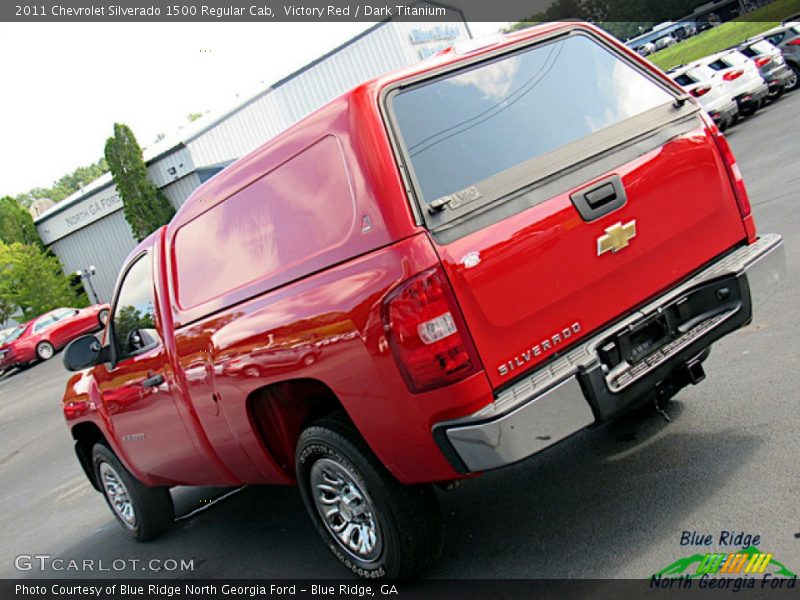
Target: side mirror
(84,352)
(135,341)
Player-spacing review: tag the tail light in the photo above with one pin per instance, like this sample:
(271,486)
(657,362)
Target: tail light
(700,91)
(794,42)
(427,334)
(731,75)
(763,60)
(732,168)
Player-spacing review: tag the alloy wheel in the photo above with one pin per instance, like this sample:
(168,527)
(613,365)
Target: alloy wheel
(346,510)
(117,495)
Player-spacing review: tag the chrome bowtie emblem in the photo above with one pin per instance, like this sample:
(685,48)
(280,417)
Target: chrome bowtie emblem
(616,237)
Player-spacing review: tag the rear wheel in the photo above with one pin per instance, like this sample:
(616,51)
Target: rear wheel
(748,109)
(794,79)
(777,93)
(45,350)
(143,512)
(375,526)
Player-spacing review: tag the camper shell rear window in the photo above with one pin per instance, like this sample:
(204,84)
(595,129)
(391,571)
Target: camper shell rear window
(472,136)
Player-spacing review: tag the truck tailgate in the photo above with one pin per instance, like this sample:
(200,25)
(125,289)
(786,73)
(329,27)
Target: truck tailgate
(534,283)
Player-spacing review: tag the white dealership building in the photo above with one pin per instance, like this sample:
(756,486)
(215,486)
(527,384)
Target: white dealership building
(89,227)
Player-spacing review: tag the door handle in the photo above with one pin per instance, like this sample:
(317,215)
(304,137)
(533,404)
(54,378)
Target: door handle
(153,381)
(600,198)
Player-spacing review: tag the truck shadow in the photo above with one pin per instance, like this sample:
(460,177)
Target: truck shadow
(609,491)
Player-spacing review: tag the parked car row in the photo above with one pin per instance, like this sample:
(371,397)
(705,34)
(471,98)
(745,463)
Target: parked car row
(738,81)
(673,34)
(786,38)
(40,338)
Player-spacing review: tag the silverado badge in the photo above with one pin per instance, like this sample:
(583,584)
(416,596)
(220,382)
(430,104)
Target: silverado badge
(616,237)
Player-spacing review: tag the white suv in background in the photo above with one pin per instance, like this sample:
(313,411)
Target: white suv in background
(703,83)
(741,78)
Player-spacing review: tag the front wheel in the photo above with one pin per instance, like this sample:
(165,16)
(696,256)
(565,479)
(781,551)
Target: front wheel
(143,512)
(45,350)
(375,526)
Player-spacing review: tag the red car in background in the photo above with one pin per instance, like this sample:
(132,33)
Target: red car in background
(39,338)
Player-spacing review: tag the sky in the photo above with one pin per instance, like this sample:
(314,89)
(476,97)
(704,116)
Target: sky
(64,85)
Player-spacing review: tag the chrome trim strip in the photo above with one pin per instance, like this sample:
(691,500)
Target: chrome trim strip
(548,405)
(553,416)
(766,273)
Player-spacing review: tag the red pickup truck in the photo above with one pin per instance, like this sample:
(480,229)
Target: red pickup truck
(444,271)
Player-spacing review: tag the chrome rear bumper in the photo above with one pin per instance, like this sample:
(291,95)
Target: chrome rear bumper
(551,404)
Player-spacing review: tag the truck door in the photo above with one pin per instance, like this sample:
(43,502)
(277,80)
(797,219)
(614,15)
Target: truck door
(137,388)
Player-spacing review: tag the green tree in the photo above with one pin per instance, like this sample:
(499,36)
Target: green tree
(67,185)
(33,282)
(7,311)
(146,208)
(16,224)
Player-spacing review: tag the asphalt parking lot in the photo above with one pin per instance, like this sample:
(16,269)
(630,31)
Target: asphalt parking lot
(608,503)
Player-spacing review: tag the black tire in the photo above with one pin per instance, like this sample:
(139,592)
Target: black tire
(45,350)
(723,125)
(777,94)
(152,510)
(749,109)
(405,520)
(796,81)
(102,318)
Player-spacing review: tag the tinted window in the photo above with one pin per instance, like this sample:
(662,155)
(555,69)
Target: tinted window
(64,313)
(281,223)
(777,37)
(476,123)
(134,313)
(684,80)
(43,323)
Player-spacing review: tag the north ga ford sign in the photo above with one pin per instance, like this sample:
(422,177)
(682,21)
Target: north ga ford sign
(72,218)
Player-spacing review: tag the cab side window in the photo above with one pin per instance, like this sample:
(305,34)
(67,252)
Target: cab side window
(43,323)
(134,314)
(64,313)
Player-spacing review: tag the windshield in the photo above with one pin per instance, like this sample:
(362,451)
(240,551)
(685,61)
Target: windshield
(700,73)
(762,47)
(14,334)
(473,124)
